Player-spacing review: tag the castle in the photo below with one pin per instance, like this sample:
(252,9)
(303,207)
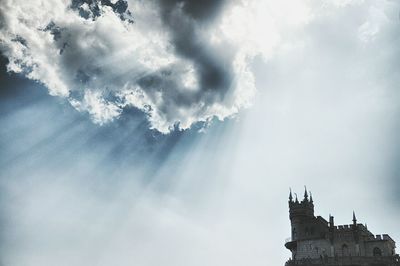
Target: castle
(315,241)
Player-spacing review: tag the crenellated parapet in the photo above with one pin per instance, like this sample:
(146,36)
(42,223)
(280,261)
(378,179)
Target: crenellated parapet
(304,208)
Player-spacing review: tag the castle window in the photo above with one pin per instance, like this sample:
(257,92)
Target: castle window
(377,252)
(345,250)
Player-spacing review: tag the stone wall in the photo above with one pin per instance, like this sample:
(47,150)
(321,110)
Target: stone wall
(312,248)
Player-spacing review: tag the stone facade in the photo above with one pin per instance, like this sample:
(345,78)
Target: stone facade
(316,241)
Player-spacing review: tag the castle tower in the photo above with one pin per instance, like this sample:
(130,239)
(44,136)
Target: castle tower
(301,214)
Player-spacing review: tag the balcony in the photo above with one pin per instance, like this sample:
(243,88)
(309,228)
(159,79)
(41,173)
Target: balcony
(290,244)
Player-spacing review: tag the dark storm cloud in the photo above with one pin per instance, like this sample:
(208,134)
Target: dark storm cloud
(184,19)
(199,10)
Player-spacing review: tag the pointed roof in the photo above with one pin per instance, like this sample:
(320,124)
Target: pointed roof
(354,217)
(305,193)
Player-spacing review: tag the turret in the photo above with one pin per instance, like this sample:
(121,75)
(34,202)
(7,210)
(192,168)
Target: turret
(305,208)
(301,214)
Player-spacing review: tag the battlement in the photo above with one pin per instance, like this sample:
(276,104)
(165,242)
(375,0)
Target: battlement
(387,237)
(344,227)
(384,237)
(360,227)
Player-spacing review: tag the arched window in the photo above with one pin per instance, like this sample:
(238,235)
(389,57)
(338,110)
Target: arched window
(377,252)
(345,250)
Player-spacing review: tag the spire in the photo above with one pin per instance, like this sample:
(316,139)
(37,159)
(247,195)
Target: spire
(354,218)
(297,201)
(290,195)
(305,194)
(311,200)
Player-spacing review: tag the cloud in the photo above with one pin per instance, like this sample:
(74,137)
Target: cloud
(106,56)
(180,62)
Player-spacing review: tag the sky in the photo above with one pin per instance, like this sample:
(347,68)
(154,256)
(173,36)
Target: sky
(169,132)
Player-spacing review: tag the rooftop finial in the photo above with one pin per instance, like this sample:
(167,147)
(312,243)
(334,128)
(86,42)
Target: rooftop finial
(305,194)
(297,201)
(290,195)
(354,218)
(311,199)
